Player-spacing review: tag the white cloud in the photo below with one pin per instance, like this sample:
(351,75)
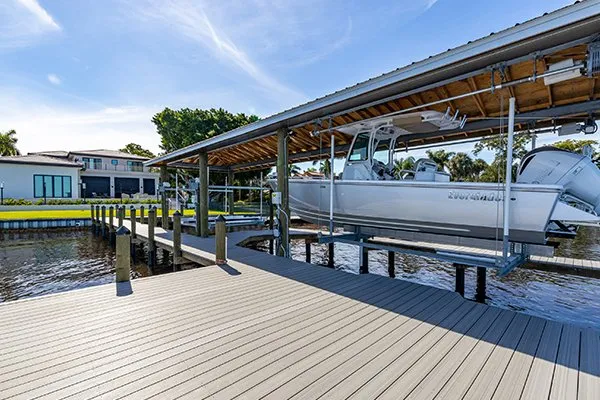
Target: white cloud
(189,19)
(54,79)
(23,22)
(430,3)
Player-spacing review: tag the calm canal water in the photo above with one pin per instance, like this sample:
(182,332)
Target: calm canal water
(33,264)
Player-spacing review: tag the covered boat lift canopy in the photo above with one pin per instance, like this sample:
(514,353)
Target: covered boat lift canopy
(545,71)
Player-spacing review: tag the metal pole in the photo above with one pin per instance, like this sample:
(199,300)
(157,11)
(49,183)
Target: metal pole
(533,141)
(261,193)
(176,190)
(226,195)
(508,179)
(230,200)
(203,166)
(331,182)
(163,199)
(151,243)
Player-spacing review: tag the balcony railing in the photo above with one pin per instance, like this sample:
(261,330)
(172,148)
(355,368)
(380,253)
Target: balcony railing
(113,167)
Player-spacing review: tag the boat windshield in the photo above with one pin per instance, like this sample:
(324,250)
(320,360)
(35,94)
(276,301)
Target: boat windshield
(360,149)
(382,151)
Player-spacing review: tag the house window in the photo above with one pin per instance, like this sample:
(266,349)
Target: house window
(115,162)
(57,186)
(92,163)
(135,166)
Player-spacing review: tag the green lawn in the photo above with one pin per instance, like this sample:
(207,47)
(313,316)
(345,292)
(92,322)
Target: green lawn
(51,214)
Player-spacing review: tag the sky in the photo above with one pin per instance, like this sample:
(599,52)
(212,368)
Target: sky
(90,74)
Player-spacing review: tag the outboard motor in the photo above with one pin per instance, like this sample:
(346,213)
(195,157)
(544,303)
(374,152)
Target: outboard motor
(575,172)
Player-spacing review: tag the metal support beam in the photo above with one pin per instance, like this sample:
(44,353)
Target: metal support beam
(164,206)
(230,199)
(203,200)
(508,177)
(283,188)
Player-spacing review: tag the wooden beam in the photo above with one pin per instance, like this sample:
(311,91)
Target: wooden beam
(511,89)
(442,93)
(477,97)
(549,87)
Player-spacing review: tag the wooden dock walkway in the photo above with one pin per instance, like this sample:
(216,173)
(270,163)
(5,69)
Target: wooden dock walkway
(267,327)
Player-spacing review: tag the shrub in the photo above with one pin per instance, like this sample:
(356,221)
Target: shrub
(17,202)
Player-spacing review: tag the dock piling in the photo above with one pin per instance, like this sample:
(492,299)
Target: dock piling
(151,243)
(111,225)
(331,254)
(133,219)
(221,241)
(103,222)
(123,267)
(480,295)
(391,264)
(307,247)
(271,218)
(97,220)
(177,257)
(364,260)
(120,215)
(459,286)
(93,214)
(142,212)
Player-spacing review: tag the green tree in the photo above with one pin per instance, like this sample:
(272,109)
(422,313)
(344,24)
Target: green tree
(497,144)
(134,148)
(461,167)
(293,169)
(440,157)
(402,164)
(181,128)
(8,143)
(479,166)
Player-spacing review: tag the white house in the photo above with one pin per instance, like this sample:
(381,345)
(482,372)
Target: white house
(75,174)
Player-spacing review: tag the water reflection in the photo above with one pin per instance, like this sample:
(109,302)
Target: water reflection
(36,263)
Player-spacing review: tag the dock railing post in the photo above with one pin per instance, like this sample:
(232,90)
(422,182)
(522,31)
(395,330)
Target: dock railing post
(459,286)
(480,295)
(391,264)
(120,215)
(177,258)
(111,225)
(220,241)
(97,220)
(142,215)
(93,214)
(103,223)
(123,267)
(151,243)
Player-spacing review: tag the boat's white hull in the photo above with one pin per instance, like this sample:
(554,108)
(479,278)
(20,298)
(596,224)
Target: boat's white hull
(457,209)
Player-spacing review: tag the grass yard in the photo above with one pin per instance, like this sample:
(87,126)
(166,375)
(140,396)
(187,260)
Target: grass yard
(53,214)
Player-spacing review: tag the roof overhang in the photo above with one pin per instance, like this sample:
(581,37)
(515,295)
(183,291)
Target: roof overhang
(510,54)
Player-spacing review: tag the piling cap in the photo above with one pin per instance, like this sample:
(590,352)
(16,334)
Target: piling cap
(177,214)
(132,208)
(220,218)
(123,231)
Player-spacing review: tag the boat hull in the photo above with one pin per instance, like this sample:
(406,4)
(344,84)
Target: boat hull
(456,209)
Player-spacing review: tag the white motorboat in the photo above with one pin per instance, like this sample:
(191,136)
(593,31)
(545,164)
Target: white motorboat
(555,190)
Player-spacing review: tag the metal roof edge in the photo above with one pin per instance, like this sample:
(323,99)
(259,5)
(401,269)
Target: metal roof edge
(559,18)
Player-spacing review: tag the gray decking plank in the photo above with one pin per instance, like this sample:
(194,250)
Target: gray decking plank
(589,365)
(564,382)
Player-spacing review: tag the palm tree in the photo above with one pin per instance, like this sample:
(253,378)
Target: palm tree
(440,157)
(324,167)
(293,169)
(8,143)
(479,165)
(461,167)
(401,164)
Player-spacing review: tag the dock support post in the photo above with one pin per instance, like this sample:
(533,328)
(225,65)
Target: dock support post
(120,215)
(111,225)
(177,259)
(508,178)
(364,260)
(307,247)
(271,217)
(203,166)
(230,199)
(480,295)
(391,264)
(97,220)
(132,217)
(282,187)
(221,241)
(164,207)
(93,214)
(103,223)
(197,206)
(123,268)
(151,243)
(155,216)
(331,254)
(459,286)
(142,212)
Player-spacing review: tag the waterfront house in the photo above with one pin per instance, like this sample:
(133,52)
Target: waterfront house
(76,174)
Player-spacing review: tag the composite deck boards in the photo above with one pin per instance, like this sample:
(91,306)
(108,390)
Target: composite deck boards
(267,327)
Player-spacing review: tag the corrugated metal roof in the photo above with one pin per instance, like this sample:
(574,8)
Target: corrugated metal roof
(534,28)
